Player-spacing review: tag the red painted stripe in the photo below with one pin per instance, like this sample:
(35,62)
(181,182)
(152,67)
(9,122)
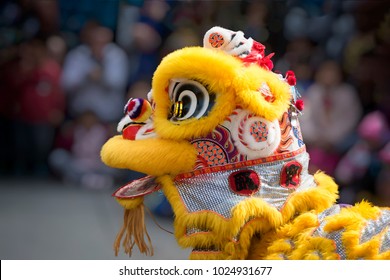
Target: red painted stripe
(240,164)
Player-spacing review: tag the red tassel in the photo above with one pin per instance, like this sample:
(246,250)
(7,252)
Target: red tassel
(300,105)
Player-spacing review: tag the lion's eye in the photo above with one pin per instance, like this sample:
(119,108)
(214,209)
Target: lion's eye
(190,99)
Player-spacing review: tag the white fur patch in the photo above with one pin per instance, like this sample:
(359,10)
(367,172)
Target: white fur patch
(122,123)
(146,131)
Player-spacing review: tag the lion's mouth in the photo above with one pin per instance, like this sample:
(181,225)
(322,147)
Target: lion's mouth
(130,130)
(138,188)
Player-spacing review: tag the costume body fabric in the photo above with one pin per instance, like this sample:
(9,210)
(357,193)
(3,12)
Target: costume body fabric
(221,138)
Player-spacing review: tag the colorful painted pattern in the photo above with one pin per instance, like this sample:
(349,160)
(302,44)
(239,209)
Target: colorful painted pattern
(216,40)
(217,148)
(211,153)
(259,131)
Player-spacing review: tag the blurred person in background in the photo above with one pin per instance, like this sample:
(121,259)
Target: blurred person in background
(39,107)
(56,48)
(95,75)
(359,168)
(332,112)
(22,78)
(302,56)
(148,32)
(76,159)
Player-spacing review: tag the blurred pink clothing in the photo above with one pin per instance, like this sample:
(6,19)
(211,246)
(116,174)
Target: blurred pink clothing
(373,127)
(330,115)
(87,144)
(330,118)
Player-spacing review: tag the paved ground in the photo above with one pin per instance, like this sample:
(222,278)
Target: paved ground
(50,220)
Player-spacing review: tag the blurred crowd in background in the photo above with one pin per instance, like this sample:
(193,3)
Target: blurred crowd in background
(68,67)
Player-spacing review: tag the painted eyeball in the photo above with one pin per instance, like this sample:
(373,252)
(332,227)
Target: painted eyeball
(190,99)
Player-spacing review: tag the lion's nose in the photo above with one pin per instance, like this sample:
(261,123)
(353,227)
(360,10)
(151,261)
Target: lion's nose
(138,109)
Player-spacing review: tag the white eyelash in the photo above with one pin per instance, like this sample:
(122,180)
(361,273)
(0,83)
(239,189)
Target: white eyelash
(122,123)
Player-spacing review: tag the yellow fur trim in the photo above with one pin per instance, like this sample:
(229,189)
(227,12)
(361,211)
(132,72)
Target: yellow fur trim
(279,244)
(352,221)
(295,239)
(226,77)
(260,245)
(219,227)
(315,248)
(130,203)
(151,156)
(251,216)
(318,198)
(303,245)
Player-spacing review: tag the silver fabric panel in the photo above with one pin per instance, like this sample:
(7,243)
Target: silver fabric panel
(335,209)
(371,229)
(385,242)
(374,227)
(335,235)
(212,192)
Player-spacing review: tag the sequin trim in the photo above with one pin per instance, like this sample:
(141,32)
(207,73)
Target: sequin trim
(375,227)
(385,242)
(335,235)
(340,248)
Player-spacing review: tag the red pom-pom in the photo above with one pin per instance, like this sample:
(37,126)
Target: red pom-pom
(290,73)
(138,109)
(290,77)
(292,81)
(300,105)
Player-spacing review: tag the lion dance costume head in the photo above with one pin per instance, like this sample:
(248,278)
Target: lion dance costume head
(220,136)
